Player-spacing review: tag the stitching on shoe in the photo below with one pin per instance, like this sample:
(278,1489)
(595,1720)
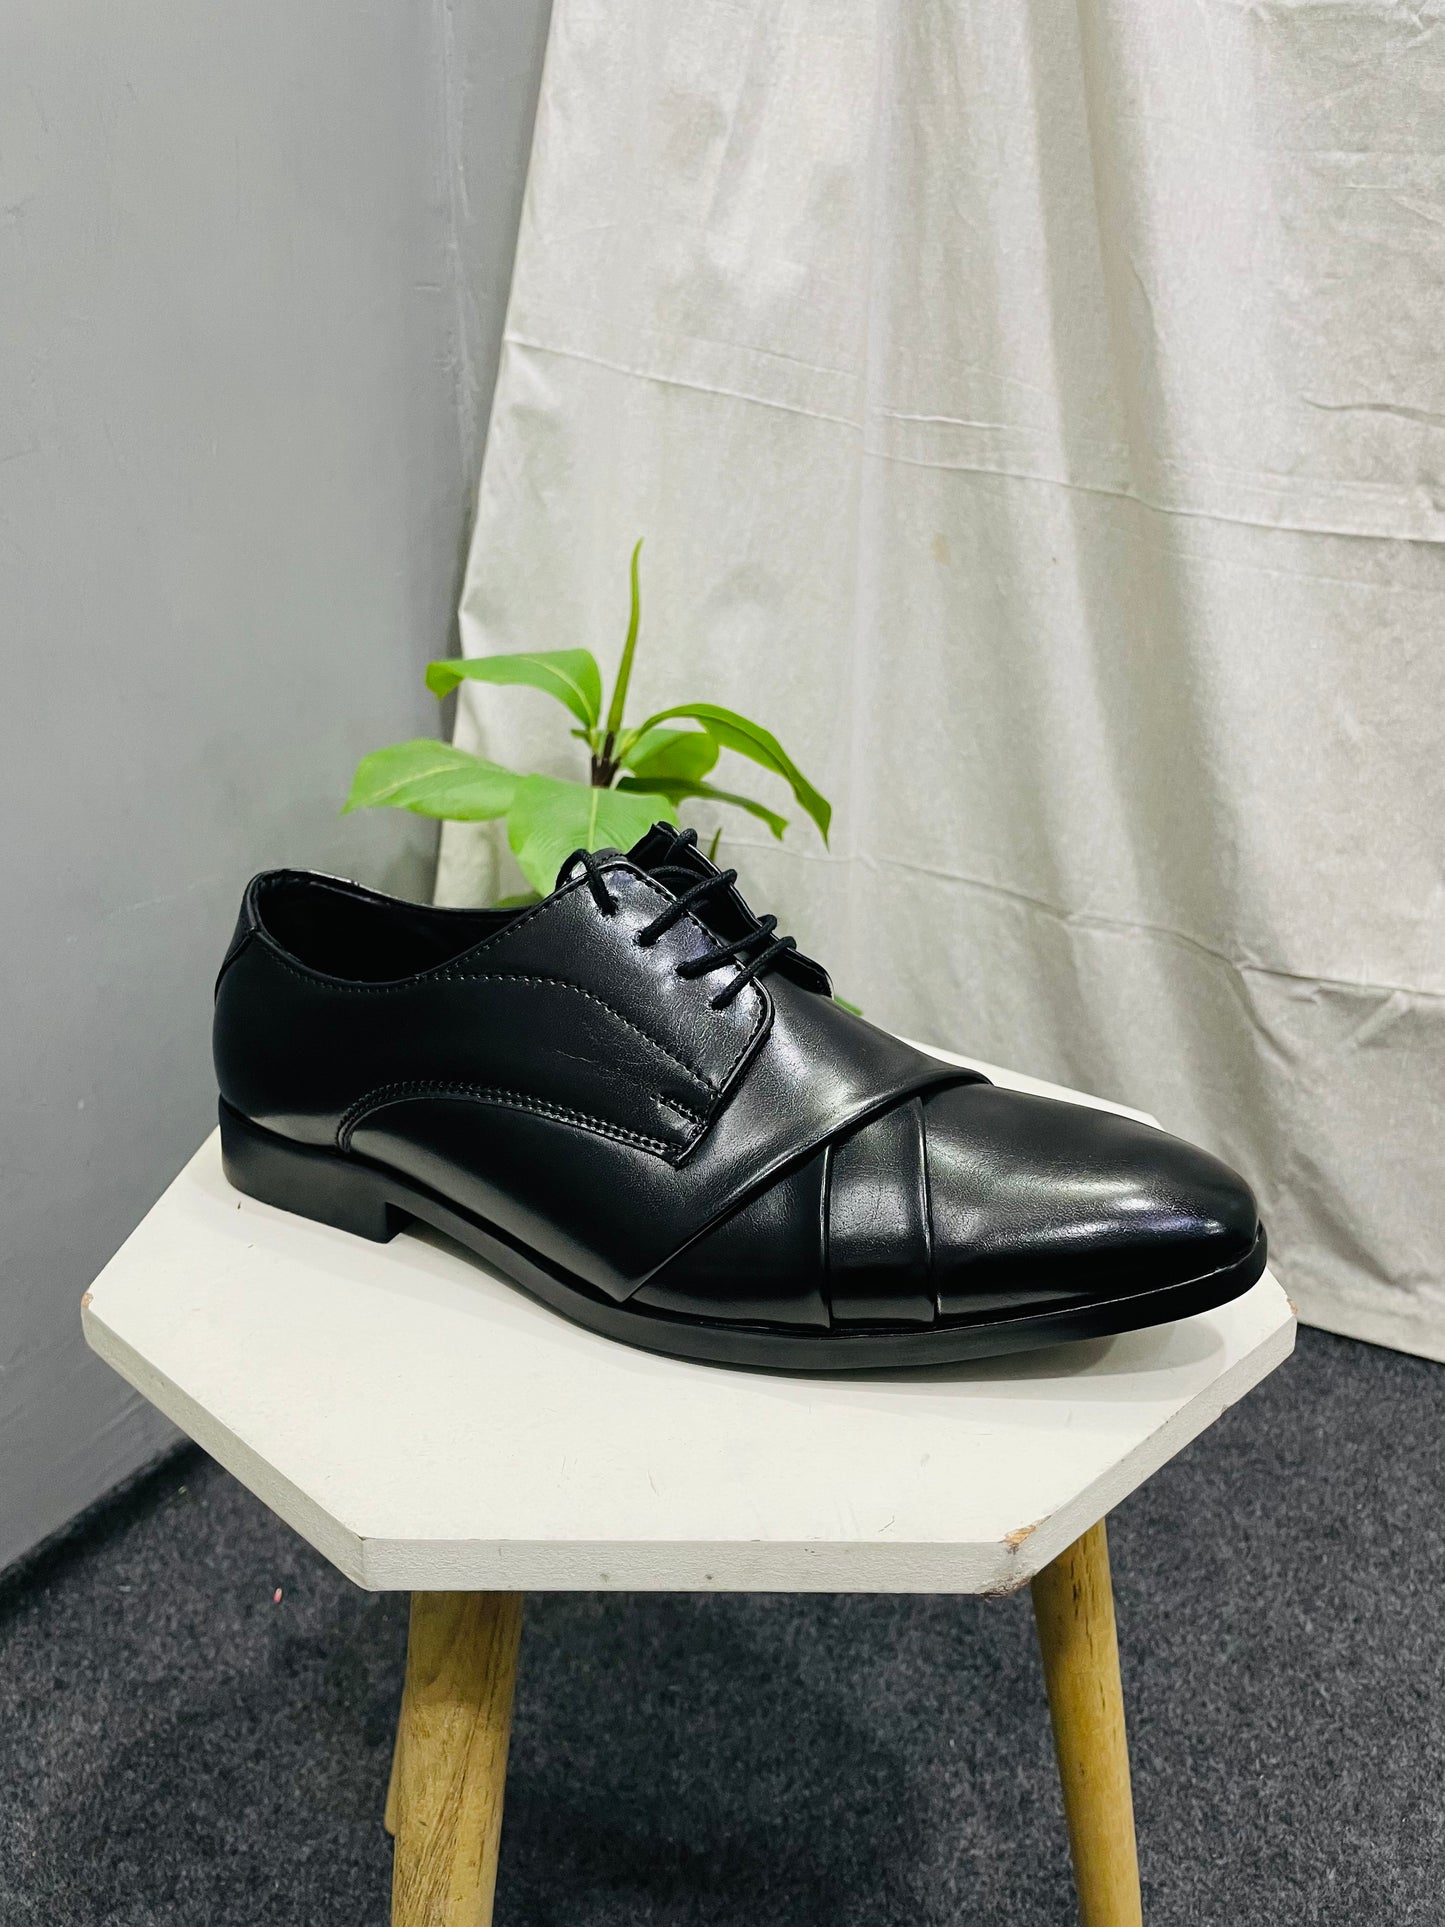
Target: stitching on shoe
(509,1100)
(696,1118)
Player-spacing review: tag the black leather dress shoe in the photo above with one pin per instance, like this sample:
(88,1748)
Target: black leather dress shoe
(641,1104)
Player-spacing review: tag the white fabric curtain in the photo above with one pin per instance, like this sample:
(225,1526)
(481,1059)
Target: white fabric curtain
(1036,414)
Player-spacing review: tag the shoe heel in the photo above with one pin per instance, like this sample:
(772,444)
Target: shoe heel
(303,1178)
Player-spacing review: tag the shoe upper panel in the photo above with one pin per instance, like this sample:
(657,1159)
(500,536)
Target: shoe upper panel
(610,1209)
(877,1232)
(562,1007)
(560,1077)
(761,1266)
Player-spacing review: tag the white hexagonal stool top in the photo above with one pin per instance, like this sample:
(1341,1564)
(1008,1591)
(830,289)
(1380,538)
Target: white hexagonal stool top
(428,1426)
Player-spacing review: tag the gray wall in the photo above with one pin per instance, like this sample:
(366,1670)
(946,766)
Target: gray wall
(252,268)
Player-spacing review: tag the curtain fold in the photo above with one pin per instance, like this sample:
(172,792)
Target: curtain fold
(1035,414)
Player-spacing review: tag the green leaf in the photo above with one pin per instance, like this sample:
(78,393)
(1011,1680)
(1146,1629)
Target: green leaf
(629,649)
(549,819)
(433,779)
(678,788)
(571,675)
(736,732)
(687,753)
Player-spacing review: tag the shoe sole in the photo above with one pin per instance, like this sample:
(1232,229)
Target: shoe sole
(356,1195)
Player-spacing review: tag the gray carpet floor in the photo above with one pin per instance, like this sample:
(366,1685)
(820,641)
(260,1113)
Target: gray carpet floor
(181,1751)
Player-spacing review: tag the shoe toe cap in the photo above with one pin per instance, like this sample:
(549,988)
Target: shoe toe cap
(976,1202)
(1034,1201)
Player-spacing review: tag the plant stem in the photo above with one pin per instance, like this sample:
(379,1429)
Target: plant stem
(603,767)
(624,673)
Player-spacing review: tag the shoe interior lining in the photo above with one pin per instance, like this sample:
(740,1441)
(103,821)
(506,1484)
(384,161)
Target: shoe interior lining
(370,940)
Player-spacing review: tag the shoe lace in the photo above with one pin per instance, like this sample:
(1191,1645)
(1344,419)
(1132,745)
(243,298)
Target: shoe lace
(753,952)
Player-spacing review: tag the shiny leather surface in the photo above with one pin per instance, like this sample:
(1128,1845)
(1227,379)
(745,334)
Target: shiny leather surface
(1027,1190)
(878,1232)
(777,1161)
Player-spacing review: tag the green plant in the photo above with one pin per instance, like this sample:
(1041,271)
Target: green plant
(669,756)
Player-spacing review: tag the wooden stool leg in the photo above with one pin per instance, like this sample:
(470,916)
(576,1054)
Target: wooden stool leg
(450,1766)
(1074,1613)
(393,1789)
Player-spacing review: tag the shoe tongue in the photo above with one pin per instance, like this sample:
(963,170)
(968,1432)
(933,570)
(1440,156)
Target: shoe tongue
(679,865)
(660,850)
(657,851)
